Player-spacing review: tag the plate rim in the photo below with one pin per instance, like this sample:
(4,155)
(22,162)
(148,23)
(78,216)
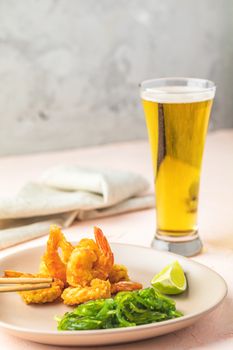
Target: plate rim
(162,324)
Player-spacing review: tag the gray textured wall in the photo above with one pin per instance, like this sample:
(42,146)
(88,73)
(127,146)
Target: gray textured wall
(69,69)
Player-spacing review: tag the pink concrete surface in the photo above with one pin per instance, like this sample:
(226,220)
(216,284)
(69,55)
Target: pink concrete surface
(214,331)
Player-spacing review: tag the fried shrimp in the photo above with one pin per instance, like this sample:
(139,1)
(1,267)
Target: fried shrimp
(118,273)
(80,267)
(90,260)
(125,286)
(12,273)
(105,259)
(88,244)
(43,268)
(98,289)
(52,262)
(38,296)
(79,273)
(42,296)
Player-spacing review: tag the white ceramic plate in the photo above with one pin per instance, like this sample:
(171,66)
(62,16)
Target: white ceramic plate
(37,323)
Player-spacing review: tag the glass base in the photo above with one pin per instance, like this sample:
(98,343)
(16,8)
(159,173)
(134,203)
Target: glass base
(186,246)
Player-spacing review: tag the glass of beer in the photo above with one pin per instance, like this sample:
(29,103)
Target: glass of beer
(177,112)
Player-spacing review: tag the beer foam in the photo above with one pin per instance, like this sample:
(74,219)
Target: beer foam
(178,94)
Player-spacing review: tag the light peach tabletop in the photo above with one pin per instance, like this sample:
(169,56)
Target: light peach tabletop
(214,331)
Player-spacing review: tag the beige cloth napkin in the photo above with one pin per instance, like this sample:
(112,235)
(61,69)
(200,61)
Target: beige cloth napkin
(67,193)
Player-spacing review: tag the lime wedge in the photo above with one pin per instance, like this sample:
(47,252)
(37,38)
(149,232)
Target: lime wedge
(171,280)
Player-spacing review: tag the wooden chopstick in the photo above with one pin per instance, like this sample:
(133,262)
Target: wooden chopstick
(24,287)
(22,280)
(24,283)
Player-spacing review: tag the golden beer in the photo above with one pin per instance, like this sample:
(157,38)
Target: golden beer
(177,121)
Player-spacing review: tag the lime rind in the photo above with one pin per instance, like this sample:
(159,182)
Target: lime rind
(177,275)
(171,280)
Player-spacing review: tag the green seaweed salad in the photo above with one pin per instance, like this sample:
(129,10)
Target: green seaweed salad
(125,310)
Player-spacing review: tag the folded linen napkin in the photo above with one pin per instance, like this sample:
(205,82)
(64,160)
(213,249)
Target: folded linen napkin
(67,193)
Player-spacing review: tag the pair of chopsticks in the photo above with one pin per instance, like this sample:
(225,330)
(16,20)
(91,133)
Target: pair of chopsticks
(17,284)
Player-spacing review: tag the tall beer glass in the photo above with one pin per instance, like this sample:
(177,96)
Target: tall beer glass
(177,113)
